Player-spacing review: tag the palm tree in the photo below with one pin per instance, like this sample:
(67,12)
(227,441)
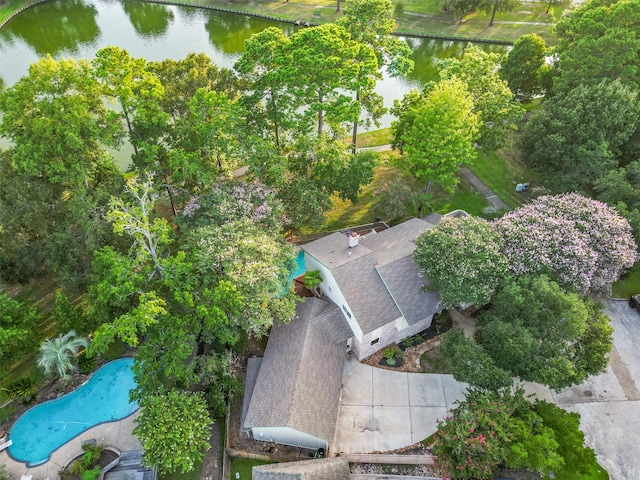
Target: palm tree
(312,281)
(57,355)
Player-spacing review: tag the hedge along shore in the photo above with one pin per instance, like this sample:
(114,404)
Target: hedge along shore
(279,19)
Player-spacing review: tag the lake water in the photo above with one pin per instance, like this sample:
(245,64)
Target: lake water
(79,28)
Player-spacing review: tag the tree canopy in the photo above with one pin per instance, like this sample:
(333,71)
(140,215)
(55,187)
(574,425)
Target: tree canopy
(580,136)
(17,321)
(440,135)
(174,430)
(493,102)
(543,334)
(599,40)
(488,430)
(533,330)
(463,260)
(524,68)
(579,242)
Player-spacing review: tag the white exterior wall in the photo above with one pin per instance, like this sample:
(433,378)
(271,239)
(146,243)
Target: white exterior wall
(329,288)
(288,436)
(391,333)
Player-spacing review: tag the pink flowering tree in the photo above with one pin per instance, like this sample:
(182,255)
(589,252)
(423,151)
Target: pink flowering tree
(493,429)
(575,240)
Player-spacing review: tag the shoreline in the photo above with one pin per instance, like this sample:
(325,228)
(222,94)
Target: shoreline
(253,11)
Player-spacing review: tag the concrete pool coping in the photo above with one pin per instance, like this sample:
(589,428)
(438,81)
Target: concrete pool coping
(117,434)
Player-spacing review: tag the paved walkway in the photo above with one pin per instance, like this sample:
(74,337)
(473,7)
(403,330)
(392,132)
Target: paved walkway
(382,410)
(485,191)
(113,434)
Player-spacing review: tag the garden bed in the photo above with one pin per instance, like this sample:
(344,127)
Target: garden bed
(411,349)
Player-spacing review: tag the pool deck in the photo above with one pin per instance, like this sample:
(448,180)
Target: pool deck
(113,434)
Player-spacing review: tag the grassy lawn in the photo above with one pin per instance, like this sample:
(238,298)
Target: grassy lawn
(345,213)
(374,138)
(432,362)
(628,285)
(11,6)
(501,172)
(243,467)
(428,17)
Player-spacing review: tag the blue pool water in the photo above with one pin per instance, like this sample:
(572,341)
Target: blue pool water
(300,268)
(46,427)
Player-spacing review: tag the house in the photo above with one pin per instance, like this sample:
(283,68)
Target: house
(321,469)
(292,393)
(372,296)
(375,283)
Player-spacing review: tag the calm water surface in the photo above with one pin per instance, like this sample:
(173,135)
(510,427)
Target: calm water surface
(78,28)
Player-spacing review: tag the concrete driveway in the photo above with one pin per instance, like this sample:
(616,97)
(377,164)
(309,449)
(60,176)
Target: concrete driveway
(383,410)
(609,404)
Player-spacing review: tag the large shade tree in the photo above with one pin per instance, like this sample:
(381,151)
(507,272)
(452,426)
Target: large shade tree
(536,331)
(493,101)
(371,22)
(308,79)
(600,40)
(439,137)
(57,174)
(463,260)
(201,293)
(543,334)
(525,68)
(577,138)
(579,242)
(174,430)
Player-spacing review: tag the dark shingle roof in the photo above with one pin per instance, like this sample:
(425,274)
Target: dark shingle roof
(320,469)
(253,369)
(358,272)
(405,282)
(396,242)
(366,294)
(299,382)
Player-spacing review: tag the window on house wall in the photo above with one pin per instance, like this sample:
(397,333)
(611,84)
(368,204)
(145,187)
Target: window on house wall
(374,341)
(346,311)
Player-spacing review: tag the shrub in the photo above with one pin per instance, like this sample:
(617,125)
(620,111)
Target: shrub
(91,474)
(391,355)
(23,388)
(492,429)
(86,364)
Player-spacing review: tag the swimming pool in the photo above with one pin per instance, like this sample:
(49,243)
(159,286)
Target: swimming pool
(44,428)
(300,267)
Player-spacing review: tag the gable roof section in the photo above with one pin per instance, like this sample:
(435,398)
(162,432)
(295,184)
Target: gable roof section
(370,275)
(333,250)
(366,294)
(299,382)
(396,242)
(405,282)
(320,469)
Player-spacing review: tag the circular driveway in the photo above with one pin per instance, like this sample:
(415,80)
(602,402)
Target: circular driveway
(382,410)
